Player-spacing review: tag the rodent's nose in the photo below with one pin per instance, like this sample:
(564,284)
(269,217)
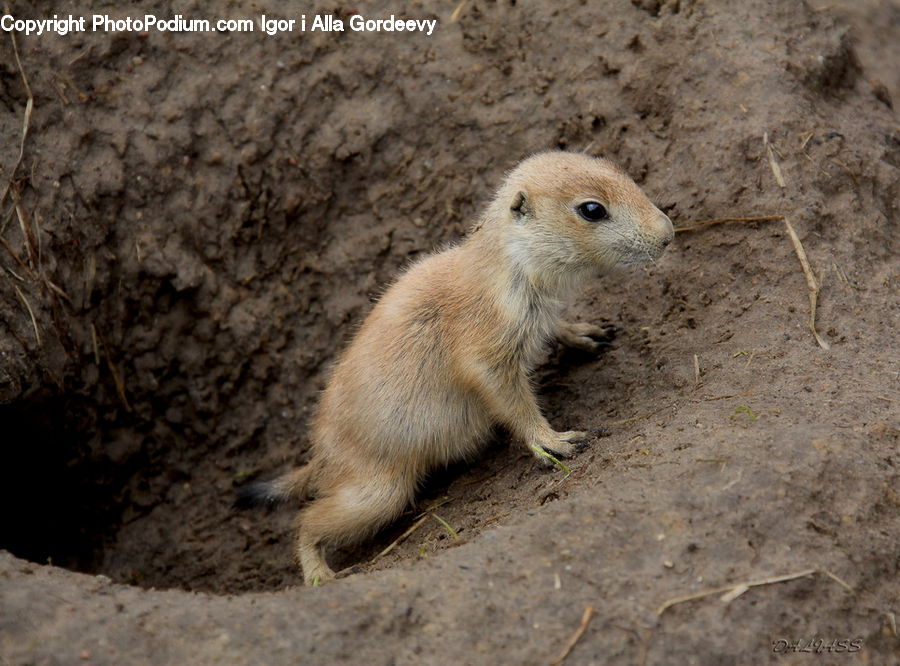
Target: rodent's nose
(668,229)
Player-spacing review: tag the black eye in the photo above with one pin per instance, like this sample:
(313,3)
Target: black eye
(592,211)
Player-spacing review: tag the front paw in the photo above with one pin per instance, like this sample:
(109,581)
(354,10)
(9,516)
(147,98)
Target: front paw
(559,445)
(318,575)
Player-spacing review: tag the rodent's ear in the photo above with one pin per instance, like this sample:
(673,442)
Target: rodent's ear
(520,208)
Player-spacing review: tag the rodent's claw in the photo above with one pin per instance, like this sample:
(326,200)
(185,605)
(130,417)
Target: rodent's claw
(585,343)
(590,436)
(574,436)
(605,333)
(588,344)
(583,441)
(562,445)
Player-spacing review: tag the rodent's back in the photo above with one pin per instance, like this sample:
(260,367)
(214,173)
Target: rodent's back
(396,392)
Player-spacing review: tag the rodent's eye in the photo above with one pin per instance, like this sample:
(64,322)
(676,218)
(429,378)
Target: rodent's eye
(592,211)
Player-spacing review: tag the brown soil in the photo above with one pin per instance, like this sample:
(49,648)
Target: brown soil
(207,216)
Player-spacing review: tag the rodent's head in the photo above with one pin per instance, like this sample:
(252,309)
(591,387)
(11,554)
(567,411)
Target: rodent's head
(570,209)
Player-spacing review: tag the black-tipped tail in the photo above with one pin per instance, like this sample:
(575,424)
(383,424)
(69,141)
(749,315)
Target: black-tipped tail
(258,493)
(293,485)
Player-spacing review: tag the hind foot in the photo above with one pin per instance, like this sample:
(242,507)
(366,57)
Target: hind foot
(583,336)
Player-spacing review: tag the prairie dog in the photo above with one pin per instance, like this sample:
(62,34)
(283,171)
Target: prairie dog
(448,350)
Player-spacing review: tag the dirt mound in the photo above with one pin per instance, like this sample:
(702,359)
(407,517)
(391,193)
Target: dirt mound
(199,220)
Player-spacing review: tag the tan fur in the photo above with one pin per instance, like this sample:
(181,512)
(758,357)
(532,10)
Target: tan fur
(447,351)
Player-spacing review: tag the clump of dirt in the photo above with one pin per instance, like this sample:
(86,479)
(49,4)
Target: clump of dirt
(200,220)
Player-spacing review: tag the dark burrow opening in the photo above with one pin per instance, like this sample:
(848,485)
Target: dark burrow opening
(64,499)
(58,497)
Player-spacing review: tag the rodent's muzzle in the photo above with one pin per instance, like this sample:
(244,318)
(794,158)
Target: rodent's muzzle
(668,230)
(659,234)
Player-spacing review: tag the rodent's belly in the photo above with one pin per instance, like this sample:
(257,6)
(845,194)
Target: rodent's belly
(433,427)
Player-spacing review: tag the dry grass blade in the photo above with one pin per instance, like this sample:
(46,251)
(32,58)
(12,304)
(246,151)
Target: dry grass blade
(582,627)
(29,106)
(36,230)
(60,91)
(846,169)
(703,224)
(96,346)
(120,385)
(32,245)
(450,530)
(810,281)
(434,505)
(773,163)
(454,17)
(494,519)
(750,359)
(117,379)
(58,290)
(7,219)
(805,138)
(710,398)
(14,274)
(13,254)
(90,273)
(37,331)
(732,592)
(841,274)
(837,580)
(400,539)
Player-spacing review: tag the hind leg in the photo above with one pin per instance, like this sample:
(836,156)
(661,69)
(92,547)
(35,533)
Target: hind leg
(349,513)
